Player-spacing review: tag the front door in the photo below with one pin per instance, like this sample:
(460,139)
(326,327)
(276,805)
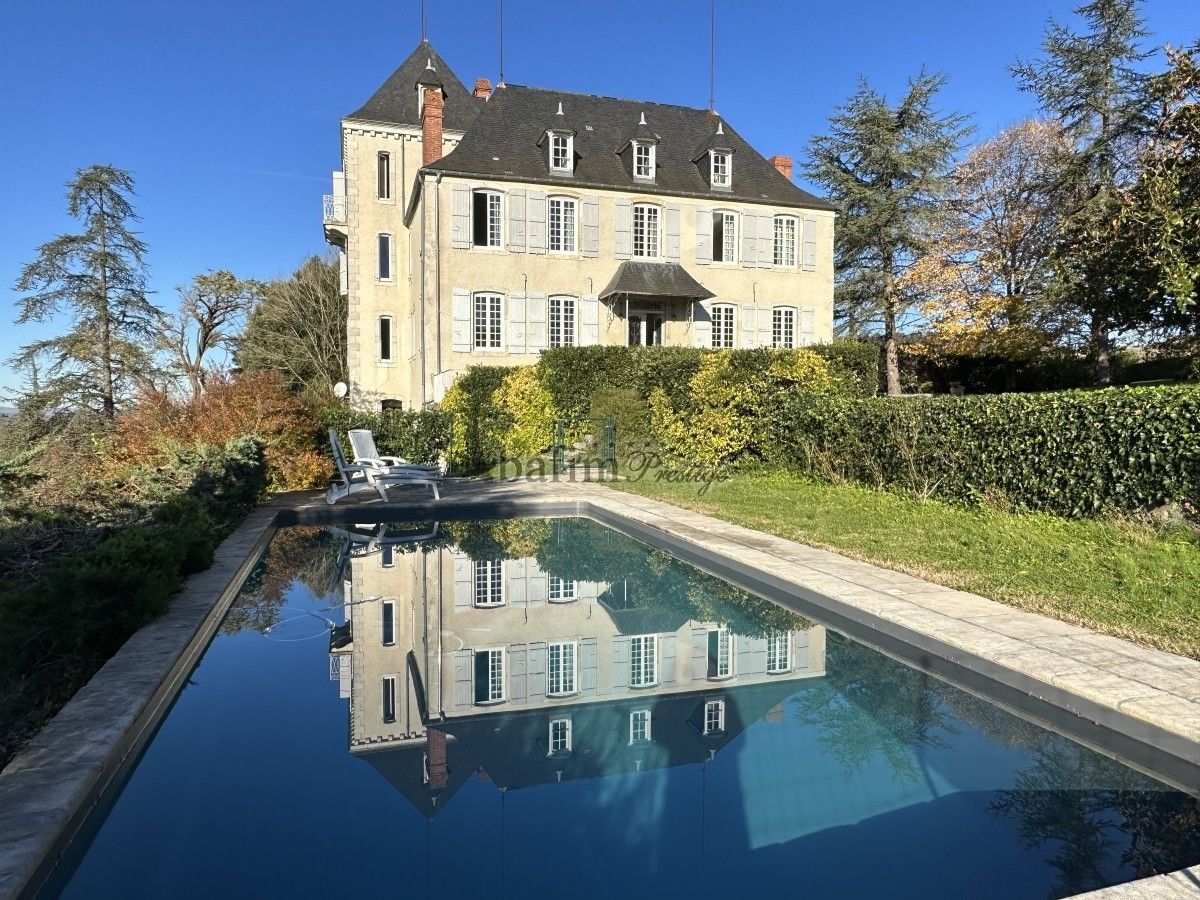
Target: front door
(645,329)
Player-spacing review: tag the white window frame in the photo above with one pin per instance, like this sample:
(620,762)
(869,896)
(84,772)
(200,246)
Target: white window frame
(568,238)
(387,696)
(647,671)
(489,572)
(494,227)
(495,676)
(714,716)
(383,257)
(563,314)
(785,252)
(718,178)
(391,341)
(778,663)
(647,172)
(783,327)
(566,737)
(719,341)
(651,236)
(729,237)
(646,719)
(560,590)
(383,176)
(388,606)
(568,675)
(568,144)
(730,669)
(493,315)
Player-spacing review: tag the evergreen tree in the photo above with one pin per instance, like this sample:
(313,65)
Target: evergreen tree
(99,277)
(1091,83)
(886,167)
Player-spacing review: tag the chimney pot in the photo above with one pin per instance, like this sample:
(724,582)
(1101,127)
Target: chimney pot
(783,165)
(483,88)
(431,125)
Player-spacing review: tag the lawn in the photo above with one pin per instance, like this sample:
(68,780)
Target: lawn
(1123,579)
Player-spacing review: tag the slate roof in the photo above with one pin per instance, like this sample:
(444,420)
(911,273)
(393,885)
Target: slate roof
(395,103)
(655,279)
(503,144)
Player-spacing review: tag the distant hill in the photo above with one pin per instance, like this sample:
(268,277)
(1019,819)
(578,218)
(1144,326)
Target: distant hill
(6,411)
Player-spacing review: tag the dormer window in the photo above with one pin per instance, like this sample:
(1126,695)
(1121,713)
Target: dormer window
(643,160)
(720,169)
(562,155)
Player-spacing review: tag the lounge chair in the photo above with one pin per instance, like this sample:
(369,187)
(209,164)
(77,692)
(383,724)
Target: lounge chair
(365,475)
(362,442)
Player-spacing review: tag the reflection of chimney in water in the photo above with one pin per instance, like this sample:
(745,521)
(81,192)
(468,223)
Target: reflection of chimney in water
(435,758)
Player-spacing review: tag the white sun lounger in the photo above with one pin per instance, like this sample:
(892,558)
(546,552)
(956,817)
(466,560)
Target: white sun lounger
(366,475)
(362,442)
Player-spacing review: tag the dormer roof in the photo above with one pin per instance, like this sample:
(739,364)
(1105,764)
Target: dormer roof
(718,140)
(506,143)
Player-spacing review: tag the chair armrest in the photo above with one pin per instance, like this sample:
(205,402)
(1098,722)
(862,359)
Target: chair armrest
(396,461)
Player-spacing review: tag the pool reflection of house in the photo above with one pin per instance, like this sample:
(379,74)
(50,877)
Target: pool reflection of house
(460,666)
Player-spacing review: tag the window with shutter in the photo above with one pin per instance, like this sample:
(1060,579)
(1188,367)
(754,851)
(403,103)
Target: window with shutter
(785,241)
(783,327)
(489,583)
(724,236)
(562,321)
(722,326)
(563,220)
(643,660)
(487,226)
(489,676)
(488,322)
(646,231)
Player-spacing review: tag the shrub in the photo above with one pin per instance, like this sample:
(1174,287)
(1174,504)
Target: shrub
(529,412)
(1072,453)
(630,415)
(418,436)
(477,425)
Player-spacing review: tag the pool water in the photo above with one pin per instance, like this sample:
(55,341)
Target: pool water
(545,706)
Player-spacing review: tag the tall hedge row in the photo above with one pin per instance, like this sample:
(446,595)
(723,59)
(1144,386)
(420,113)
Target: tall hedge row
(418,436)
(1073,453)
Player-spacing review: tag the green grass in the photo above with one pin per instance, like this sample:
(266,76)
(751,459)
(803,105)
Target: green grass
(1116,577)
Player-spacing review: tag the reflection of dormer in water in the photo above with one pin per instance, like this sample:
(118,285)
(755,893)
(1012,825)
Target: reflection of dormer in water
(460,665)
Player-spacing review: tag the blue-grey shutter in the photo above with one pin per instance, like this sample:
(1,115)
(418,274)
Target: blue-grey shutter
(800,655)
(538,656)
(464,582)
(586,590)
(514,581)
(671,216)
(749,254)
(516,323)
(535,334)
(536,581)
(623,228)
(701,326)
(808,243)
(699,654)
(764,326)
(589,320)
(807,327)
(666,659)
(620,662)
(537,221)
(516,220)
(460,322)
(460,217)
(751,654)
(704,236)
(517,674)
(589,214)
(766,241)
(464,694)
(587,666)
(746,319)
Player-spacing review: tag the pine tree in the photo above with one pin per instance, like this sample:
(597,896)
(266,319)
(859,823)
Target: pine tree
(99,277)
(1091,83)
(886,167)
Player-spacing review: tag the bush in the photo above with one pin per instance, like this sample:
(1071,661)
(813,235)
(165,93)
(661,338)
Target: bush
(1072,453)
(477,425)
(417,436)
(529,412)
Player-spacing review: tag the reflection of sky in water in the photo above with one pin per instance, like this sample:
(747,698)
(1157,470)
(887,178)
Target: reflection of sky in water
(873,780)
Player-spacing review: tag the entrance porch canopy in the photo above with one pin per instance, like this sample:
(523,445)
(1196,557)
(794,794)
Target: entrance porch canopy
(654,279)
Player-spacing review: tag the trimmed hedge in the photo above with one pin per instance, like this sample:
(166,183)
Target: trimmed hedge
(61,627)
(418,436)
(1073,453)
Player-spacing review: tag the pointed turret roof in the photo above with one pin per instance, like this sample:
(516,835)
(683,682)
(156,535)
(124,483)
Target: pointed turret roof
(395,102)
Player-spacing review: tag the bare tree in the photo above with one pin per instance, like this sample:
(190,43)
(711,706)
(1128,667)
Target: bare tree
(212,310)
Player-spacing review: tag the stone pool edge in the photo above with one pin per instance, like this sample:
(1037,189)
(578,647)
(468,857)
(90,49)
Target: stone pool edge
(48,789)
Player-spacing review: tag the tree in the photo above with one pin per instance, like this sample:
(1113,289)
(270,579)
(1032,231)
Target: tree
(298,328)
(886,167)
(1091,83)
(99,276)
(983,282)
(210,309)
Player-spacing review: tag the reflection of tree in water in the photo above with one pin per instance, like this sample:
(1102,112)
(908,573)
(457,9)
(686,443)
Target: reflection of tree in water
(304,554)
(1088,805)
(869,703)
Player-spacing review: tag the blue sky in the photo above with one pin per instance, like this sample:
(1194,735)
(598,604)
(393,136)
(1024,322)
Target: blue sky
(226,112)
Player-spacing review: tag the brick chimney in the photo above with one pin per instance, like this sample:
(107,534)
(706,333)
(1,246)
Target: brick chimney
(435,758)
(483,88)
(783,165)
(431,125)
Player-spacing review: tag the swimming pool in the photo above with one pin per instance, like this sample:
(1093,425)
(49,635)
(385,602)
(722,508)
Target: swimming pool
(500,707)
